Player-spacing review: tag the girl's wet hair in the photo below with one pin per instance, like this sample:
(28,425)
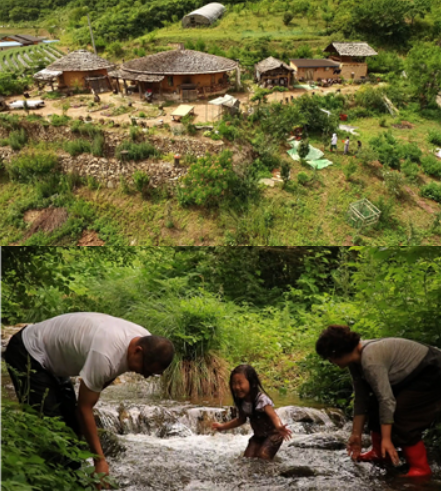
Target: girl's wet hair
(253,379)
(336,341)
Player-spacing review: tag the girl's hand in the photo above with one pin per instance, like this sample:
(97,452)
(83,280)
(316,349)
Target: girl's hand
(217,426)
(285,432)
(354,446)
(387,448)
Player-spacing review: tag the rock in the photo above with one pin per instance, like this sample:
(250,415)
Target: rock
(175,429)
(298,471)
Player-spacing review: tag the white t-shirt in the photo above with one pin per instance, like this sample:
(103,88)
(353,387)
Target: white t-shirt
(91,345)
(334,139)
(262,400)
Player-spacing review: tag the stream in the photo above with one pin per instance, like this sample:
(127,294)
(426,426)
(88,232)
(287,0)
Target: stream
(169,445)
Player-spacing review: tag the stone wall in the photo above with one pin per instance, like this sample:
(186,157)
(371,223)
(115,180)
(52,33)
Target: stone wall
(108,169)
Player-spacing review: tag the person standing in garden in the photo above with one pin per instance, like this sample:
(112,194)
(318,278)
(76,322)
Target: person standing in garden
(334,140)
(397,384)
(346,150)
(97,347)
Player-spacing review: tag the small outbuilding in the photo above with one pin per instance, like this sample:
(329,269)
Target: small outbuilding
(205,16)
(79,69)
(316,70)
(180,74)
(352,58)
(272,71)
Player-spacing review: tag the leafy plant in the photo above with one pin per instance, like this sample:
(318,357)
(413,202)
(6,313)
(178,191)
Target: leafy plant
(31,165)
(18,139)
(128,150)
(431,165)
(77,147)
(432,191)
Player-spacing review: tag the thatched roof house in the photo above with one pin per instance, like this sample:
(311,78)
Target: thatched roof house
(82,69)
(352,57)
(177,73)
(359,50)
(204,16)
(272,71)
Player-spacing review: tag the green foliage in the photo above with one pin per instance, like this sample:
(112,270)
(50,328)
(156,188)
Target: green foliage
(410,170)
(97,146)
(303,148)
(116,49)
(57,120)
(32,165)
(141,180)
(434,138)
(431,166)
(367,155)
(387,148)
(372,98)
(350,169)
(10,121)
(76,147)
(208,181)
(385,62)
(432,191)
(412,152)
(85,129)
(128,150)
(37,451)
(303,178)
(394,182)
(287,18)
(12,84)
(18,139)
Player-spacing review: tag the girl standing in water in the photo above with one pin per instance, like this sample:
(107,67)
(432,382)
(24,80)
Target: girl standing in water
(253,403)
(397,384)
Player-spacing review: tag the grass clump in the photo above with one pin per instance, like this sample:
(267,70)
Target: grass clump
(128,150)
(431,166)
(432,191)
(30,166)
(57,120)
(77,147)
(18,139)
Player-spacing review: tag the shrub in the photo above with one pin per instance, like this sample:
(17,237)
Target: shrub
(371,97)
(394,182)
(59,120)
(31,165)
(97,146)
(85,128)
(10,121)
(410,170)
(208,181)
(287,18)
(431,166)
(76,147)
(303,178)
(230,132)
(135,151)
(350,169)
(388,150)
(18,139)
(134,133)
(367,155)
(11,84)
(412,152)
(432,191)
(116,49)
(383,122)
(434,138)
(142,181)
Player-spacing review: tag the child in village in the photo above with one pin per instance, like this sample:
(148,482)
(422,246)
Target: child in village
(334,142)
(346,146)
(253,403)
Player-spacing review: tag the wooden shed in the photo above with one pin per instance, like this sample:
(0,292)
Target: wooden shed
(178,75)
(82,69)
(352,58)
(272,71)
(205,16)
(308,69)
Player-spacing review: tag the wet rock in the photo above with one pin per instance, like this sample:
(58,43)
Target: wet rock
(325,441)
(176,429)
(110,444)
(296,414)
(298,471)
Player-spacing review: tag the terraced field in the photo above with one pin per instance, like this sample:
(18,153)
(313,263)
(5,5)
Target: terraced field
(19,59)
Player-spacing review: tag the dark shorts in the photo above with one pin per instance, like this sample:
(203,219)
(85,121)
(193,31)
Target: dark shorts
(264,447)
(53,396)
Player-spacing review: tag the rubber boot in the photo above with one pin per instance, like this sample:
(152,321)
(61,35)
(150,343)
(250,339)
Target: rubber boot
(374,455)
(416,457)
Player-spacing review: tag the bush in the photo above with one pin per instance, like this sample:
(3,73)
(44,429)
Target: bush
(350,169)
(37,451)
(431,166)
(434,138)
(367,155)
(412,152)
(59,120)
(116,49)
(11,84)
(388,149)
(208,181)
(18,139)
(228,131)
(371,97)
(432,191)
(97,146)
(410,170)
(303,178)
(287,18)
(142,181)
(394,182)
(135,151)
(32,165)
(85,128)
(77,147)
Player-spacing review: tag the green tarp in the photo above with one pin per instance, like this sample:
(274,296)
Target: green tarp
(314,157)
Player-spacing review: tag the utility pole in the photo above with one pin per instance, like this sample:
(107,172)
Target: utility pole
(91,34)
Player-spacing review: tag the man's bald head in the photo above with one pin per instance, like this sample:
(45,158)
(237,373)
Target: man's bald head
(158,353)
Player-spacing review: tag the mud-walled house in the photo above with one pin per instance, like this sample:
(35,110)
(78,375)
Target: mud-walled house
(79,69)
(352,58)
(178,75)
(271,72)
(315,70)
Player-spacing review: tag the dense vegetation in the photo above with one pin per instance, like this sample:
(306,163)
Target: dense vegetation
(221,307)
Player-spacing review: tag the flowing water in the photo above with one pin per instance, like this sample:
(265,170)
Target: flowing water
(169,445)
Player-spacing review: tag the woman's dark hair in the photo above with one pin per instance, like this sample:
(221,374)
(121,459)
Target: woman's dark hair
(253,379)
(336,341)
